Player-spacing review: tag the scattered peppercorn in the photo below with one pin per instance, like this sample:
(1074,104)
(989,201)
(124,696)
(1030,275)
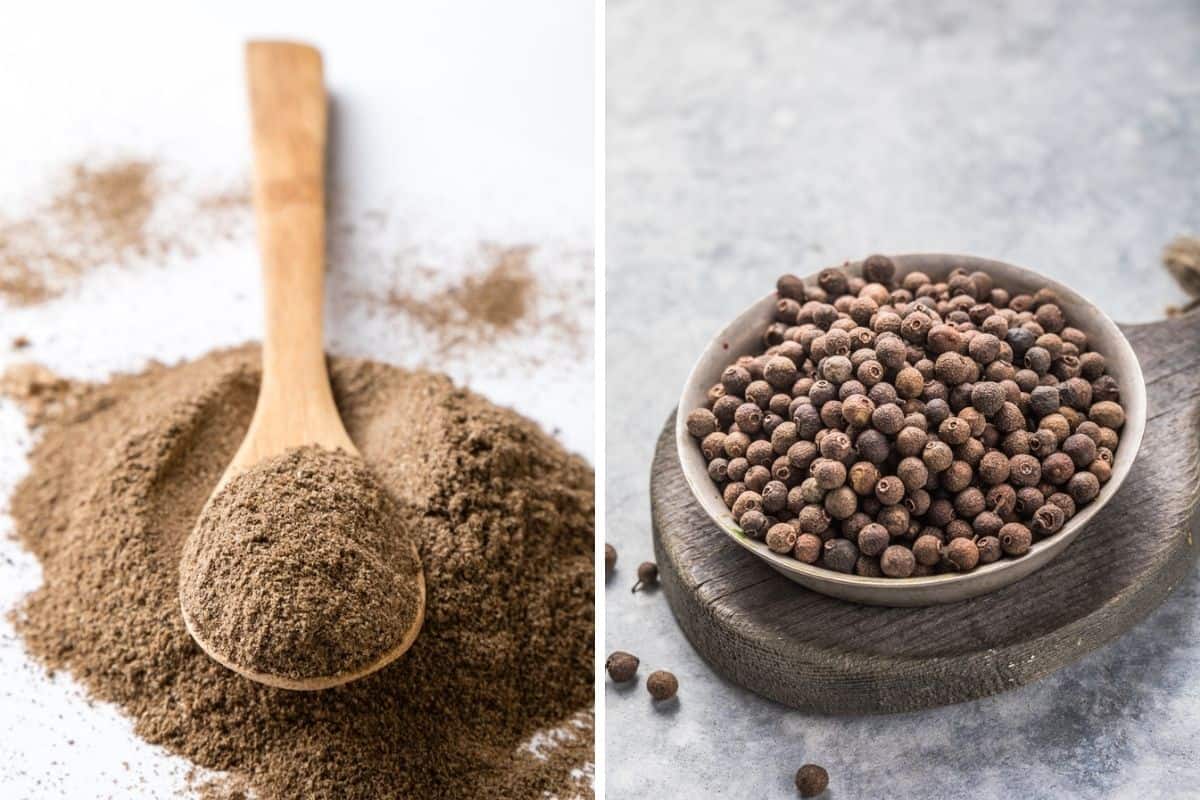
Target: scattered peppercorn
(906,425)
(647,575)
(662,685)
(621,666)
(610,558)
(811,780)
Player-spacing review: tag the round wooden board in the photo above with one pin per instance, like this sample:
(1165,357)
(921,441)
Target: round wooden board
(813,652)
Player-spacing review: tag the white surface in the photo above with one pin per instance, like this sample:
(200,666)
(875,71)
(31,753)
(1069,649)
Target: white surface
(465,122)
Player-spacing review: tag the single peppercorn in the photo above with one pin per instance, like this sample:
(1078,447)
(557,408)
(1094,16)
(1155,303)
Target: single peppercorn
(897,561)
(735,444)
(873,446)
(1083,487)
(1081,449)
(621,666)
(781,538)
(956,477)
(969,502)
(989,549)
(791,287)
(830,474)
(911,440)
(1101,469)
(862,477)
(993,468)
(610,557)
(937,456)
(735,379)
(917,502)
(927,549)
(813,519)
(841,502)
(754,524)
(713,445)
(987,397)
(1057,468)
(857,410)
(1107,414)
(913,473)
(954,430)
(836,445)
(1015,539)
(889,490)
(757,478)
(647,575)
(840,555)
(808,548)
(748,418)
(873,539)
(701,422)
(811,780)
(662,685)
(1029,500)
(1047,520)
(909,383)
(962,554)
(783,437)
(879,269)
(1024,470)
(746,501)
(895,518)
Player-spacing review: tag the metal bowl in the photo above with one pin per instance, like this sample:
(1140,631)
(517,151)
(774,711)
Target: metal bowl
(742,337)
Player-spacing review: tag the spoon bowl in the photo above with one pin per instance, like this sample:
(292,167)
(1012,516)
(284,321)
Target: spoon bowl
(295,406)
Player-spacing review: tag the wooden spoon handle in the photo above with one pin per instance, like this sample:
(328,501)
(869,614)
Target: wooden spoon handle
(288,118)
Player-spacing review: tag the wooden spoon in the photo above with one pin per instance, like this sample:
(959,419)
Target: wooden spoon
(295,402)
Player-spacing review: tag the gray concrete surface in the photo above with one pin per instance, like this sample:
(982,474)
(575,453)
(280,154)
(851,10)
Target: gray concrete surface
(749,138)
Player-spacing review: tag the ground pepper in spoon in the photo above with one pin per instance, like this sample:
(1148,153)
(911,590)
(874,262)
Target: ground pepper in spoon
(301,573)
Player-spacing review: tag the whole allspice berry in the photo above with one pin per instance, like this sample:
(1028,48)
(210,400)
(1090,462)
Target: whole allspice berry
(897,562)
(647,575)
(811,780)
(1015,539)
(621,666)
(610,558)
(662,685)
(962,554)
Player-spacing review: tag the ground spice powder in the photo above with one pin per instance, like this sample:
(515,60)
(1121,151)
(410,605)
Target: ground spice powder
(301,567)
(109,212)
(117,480)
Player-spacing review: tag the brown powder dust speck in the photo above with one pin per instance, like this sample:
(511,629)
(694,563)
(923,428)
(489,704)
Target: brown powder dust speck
(104,213)
(503,297)
(301,567)
(118,477)
(498,298)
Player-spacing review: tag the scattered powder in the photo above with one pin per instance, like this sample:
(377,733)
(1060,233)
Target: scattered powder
(301,567)
(519,306)
(109,214)
(121,471)
(502,299)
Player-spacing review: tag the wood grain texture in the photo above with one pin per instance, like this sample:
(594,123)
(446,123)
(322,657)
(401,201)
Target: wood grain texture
(816,653)
(288,112)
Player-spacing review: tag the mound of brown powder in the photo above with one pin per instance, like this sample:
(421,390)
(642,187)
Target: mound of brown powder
(505,531)
(301,567)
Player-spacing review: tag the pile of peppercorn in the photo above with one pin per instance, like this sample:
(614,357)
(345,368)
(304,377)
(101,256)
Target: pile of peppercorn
(909,428)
